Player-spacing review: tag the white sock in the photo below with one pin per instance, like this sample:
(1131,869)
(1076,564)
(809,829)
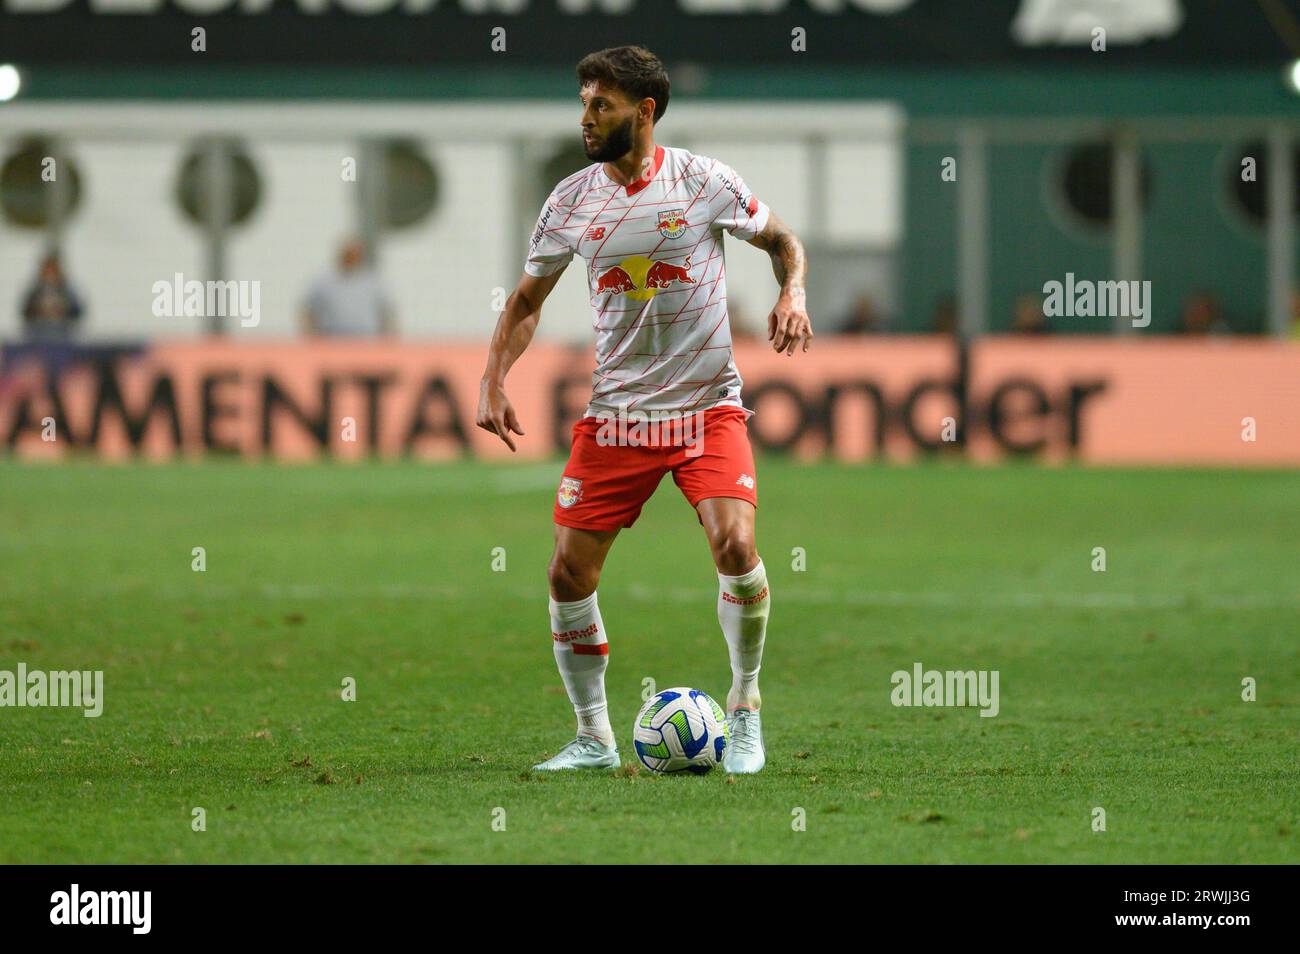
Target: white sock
(582,653)
(743,602)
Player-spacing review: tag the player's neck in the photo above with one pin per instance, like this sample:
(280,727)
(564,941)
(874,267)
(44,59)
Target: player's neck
(639,160)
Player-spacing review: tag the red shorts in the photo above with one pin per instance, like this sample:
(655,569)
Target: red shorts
(608,479)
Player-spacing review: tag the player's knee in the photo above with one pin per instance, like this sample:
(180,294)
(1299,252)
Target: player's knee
(734,552)
(569,580)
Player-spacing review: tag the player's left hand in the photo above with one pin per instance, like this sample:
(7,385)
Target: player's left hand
(788,324)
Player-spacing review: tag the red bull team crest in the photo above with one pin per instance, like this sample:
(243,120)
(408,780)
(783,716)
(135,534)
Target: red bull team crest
(570,491)
(672,223)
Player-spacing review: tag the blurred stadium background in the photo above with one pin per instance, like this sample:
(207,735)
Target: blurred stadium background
(942,161)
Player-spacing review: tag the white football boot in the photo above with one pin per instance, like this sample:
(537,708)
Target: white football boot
(744,753)
(584,752)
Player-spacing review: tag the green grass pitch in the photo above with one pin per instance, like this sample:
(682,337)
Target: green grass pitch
(1119,690)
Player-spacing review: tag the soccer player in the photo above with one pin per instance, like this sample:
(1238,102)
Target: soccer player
(649,222)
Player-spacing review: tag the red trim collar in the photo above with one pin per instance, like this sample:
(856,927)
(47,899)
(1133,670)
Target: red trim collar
(636,186)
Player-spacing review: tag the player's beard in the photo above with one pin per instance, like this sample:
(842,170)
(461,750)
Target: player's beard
(614,146)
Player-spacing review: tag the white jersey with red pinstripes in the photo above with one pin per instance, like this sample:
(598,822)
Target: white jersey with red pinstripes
(656,277)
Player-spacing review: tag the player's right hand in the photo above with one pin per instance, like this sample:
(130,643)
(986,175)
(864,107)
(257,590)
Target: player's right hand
(496,414)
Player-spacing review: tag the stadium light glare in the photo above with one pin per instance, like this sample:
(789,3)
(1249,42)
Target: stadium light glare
(1293,76)
(11,81)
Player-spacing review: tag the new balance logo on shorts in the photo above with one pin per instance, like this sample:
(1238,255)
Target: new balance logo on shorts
(746,481)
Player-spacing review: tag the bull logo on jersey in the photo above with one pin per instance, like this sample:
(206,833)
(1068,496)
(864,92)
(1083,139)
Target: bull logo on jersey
(570,491)
(641,278)
(672,224)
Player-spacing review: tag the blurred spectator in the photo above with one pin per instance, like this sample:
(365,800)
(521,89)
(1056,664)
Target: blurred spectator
(863,317)
(350,300)
(1027,316)
(1202,314)
(943,321)
(51,308)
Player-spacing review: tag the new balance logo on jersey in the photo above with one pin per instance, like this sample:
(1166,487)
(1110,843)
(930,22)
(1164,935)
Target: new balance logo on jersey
(746,481)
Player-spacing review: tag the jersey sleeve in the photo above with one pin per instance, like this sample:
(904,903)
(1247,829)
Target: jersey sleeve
(733,206)
(548,249)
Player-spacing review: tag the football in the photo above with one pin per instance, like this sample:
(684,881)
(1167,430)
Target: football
(680,730)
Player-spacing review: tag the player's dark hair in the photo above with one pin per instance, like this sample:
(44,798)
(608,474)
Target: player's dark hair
(634,70)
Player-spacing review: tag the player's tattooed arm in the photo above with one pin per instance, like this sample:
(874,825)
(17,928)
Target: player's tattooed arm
(786,251)
(788,322)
